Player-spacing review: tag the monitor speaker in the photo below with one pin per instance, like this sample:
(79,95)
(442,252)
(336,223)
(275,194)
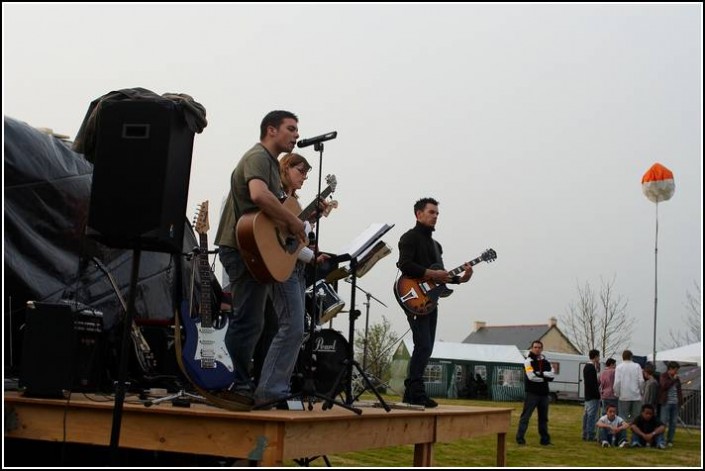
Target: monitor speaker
(141,173)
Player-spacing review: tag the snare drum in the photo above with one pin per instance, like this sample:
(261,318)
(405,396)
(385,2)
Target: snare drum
(323,299)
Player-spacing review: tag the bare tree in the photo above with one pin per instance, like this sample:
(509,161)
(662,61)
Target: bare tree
(693,321)
(601,324)
(380,348)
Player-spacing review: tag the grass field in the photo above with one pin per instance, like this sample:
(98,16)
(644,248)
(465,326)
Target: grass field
(568,450)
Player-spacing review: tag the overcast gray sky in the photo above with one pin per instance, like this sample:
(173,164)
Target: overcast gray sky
(531,124)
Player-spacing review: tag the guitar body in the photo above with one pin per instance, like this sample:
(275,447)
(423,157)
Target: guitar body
(268,250)
(204,356)
(418,296)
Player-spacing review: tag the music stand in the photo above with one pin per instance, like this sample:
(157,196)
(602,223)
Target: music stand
(357,248)
(308,388)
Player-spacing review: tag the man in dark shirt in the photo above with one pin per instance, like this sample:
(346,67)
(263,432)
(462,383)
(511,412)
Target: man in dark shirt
(420,257)
(647,429)
(592,395)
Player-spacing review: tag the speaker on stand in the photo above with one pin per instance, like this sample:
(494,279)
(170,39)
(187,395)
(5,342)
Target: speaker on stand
(139,192)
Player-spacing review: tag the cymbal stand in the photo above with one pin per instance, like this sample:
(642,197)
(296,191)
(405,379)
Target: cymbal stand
(308,388)
(346,373)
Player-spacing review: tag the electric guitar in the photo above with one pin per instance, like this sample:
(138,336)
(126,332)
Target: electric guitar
(143,351)
(268,250)
(419,296)
(205,357)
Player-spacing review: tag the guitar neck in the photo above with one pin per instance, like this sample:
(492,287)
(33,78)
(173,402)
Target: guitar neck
(205,274)
(460,269)
(308,210)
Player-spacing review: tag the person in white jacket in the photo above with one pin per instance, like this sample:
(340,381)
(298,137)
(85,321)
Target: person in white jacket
(628,387)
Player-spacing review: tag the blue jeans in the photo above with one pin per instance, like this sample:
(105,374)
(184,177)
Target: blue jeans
(531,402)
(669,416)
(590,419)
(246,318)
(629,410)
(613,439)
(290,305)
(656,441)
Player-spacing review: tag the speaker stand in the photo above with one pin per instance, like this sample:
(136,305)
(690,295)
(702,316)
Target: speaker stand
(122,372)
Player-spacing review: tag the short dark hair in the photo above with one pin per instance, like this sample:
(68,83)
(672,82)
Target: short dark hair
(647,406)
(673,365)
(594,353)
(421,204)
(536,341)
(610,362)
(627,355)
(610,406)
(275,119)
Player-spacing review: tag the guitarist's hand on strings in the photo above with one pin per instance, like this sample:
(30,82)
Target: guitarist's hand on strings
(467,274)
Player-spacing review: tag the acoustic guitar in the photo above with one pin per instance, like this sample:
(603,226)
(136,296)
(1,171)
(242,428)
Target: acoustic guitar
(419,296)
(269,251)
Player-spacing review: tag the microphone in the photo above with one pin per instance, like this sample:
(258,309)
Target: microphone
(315,140)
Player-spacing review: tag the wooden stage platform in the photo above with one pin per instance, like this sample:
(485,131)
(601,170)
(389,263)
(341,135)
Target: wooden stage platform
(265,437)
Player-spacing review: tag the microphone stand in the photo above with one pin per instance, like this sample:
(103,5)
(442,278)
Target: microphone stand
(346,373)
(367,322)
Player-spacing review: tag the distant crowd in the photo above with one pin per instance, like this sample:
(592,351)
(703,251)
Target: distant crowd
(631,398)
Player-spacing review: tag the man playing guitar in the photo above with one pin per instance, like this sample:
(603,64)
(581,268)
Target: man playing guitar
(420,257)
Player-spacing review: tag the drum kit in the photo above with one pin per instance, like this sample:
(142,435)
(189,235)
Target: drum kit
(329,346)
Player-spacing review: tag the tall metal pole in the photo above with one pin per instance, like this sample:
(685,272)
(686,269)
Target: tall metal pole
(655,283)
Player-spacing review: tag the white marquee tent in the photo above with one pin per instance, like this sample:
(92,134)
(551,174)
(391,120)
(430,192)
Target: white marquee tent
(692,353)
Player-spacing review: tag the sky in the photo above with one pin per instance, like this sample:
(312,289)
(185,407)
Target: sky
(531,124)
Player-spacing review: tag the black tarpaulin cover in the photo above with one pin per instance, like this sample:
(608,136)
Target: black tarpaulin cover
(47,256)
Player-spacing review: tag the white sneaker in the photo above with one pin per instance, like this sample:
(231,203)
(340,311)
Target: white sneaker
(661,446)
(605,444)
(623,443)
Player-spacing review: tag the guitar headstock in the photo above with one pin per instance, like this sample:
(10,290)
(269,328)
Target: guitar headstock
(332,182)
(200,222)
(489,255)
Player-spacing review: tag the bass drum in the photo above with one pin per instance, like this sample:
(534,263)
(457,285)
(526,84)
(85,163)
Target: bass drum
(330,351)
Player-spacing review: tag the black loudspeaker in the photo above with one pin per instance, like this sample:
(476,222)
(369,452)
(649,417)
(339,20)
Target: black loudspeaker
(141,175)
(62,349)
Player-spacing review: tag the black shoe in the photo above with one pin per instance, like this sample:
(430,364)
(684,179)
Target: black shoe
(521,441)
(241,400)
(547,444)
(423,401)
(430,403)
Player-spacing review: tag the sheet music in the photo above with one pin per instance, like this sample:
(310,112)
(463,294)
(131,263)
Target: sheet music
(368,237)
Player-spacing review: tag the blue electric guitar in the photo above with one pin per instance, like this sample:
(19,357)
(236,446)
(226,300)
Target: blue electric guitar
(205,357)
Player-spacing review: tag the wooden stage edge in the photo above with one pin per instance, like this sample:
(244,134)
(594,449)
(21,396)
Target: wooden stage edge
(266,437)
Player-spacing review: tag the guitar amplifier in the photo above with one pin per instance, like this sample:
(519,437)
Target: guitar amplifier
(62,349)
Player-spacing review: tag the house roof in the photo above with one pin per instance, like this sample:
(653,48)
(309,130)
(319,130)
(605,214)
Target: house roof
(517,335)
(472,352)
